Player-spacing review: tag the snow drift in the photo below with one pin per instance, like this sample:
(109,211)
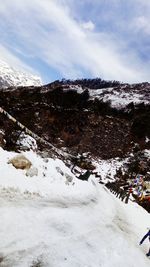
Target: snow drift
(47,221)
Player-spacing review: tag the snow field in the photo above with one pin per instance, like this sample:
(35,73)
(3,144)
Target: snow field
(46,221)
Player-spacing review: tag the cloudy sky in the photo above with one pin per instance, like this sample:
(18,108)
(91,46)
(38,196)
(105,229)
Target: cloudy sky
(77,38)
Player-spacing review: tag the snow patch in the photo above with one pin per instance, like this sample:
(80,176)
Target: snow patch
(26,142)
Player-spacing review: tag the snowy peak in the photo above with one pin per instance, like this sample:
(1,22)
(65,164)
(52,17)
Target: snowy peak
(13,77)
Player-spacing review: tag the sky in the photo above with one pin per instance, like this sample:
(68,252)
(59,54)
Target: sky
(73,39)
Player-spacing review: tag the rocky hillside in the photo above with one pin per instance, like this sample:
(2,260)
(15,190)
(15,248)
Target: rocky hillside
(81,119)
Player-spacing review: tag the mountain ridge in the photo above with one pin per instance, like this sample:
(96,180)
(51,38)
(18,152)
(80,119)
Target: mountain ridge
(9,76)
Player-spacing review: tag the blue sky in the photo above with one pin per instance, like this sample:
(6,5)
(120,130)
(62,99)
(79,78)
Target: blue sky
(77,38)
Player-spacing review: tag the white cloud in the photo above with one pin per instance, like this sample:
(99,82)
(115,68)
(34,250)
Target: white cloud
(7,56)
(142,23)
(88,25)
(141,20)
(49,32)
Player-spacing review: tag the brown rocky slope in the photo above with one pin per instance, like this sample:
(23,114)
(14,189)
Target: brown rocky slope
(67,117)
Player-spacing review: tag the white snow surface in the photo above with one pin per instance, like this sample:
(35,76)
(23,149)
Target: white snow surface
(46,221)
(13,77)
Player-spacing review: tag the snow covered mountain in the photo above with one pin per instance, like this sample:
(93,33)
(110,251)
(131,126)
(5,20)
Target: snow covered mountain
(10,76)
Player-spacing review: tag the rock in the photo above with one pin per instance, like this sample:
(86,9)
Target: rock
(33,171)
(85,176)
(20,162)
(45,160)
(69,178)
(59,170)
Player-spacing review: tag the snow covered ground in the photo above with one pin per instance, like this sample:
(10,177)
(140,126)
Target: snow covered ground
(119,98)
(107,168)
(54,219)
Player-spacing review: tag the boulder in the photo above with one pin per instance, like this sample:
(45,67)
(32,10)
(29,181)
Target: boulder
(20,162)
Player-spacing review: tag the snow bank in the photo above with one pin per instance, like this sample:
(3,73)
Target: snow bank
(50,182)
(79,225)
